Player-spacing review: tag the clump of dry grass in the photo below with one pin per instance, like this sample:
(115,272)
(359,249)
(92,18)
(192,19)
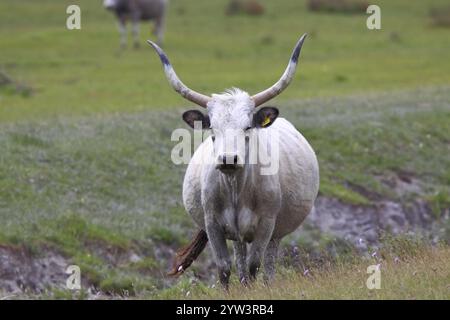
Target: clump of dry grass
(440,17)
(408,271)
(14,86)
(338,6)
(249,7)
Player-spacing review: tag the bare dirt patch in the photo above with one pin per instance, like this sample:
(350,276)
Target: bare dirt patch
(403,211)
(22,270)
(363,225)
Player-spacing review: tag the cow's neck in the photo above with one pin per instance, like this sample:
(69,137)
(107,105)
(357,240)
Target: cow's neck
(237,184)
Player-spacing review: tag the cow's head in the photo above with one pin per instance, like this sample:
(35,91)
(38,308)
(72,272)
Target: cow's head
(233,115)
(231,118)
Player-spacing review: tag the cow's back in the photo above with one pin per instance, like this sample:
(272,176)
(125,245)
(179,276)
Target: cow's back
(150,9)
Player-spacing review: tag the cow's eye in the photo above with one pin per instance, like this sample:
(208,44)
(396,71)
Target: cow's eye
(248,128)
(213,138)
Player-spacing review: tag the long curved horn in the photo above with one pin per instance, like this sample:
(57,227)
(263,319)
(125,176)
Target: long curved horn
(176,83)
(285,79)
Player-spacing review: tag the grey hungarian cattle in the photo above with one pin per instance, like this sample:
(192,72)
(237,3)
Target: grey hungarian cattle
(137,11)
(226,190)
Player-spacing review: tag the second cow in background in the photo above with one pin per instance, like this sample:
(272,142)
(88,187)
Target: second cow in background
(137,11)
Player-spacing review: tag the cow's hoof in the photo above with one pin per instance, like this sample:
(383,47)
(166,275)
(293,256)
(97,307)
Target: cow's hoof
(244,281)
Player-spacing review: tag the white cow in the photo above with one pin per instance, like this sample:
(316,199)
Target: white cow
(227,194)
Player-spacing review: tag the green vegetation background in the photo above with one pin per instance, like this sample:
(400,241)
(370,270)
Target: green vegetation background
(85,130)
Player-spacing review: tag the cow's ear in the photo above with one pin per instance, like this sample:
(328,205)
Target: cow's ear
(265,116)
(191,116)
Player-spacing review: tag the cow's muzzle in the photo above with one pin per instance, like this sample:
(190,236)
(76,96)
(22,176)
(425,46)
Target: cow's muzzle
(228,163)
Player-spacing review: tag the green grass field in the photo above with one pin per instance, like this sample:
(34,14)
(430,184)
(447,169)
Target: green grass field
(85,150)
(78,72)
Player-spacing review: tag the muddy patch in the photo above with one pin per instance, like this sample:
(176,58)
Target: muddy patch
(402,211)
(363,225)
(22,270)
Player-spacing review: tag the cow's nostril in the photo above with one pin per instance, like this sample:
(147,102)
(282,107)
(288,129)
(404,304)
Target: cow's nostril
(227,162)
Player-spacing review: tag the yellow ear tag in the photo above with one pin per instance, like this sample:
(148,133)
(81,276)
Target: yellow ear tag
(265,122)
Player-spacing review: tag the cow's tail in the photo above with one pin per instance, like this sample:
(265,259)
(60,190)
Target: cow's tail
(186,255)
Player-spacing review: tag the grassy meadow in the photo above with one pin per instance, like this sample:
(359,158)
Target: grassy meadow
(85,167)
(79,72)
(408,270)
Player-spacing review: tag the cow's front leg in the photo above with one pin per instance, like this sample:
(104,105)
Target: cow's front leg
(270,259)
(240,256)
(159,30)
(259,244)
(123,33)
(219,247)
